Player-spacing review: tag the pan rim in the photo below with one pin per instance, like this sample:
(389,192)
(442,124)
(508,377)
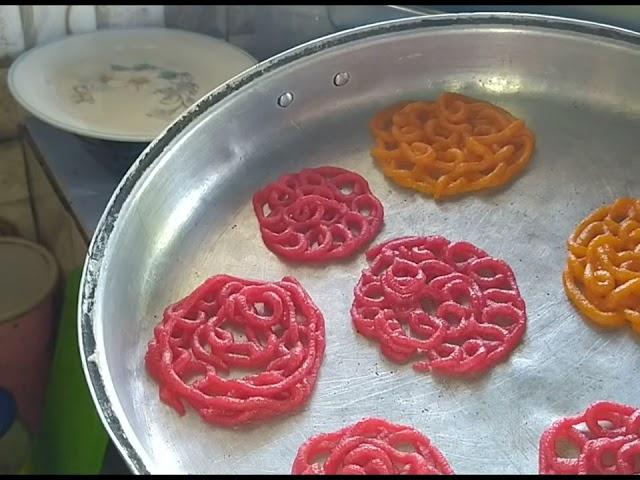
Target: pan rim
(100,240)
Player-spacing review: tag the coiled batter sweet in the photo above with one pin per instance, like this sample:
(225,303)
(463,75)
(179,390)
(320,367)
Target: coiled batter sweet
(605,439)
(602,277)
(194,349)
(318,214)
(449,307)
(370,447)
(454,145)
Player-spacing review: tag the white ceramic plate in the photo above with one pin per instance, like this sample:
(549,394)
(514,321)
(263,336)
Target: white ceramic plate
(124,85)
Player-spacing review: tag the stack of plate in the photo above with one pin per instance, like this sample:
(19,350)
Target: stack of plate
(122,85)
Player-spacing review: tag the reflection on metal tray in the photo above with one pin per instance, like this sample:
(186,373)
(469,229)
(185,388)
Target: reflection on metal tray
(183,213)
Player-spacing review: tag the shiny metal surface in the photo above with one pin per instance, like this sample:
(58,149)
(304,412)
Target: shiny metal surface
(183,213)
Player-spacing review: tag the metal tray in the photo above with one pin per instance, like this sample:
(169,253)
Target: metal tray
(183,213)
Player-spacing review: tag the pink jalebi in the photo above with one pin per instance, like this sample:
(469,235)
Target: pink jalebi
(318,214)
(448,307)
(370,447)
(193,350)
(605,439)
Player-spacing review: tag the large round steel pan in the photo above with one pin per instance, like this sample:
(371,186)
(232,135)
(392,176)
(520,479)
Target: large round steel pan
(183,213)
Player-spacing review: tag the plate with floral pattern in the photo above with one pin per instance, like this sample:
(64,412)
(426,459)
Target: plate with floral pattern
(122,85)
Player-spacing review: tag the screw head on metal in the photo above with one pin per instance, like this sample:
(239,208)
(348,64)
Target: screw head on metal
(285,99)
(341,79)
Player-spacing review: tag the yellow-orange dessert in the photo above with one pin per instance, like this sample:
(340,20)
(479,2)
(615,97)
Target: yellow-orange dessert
(454,145)
(602,278)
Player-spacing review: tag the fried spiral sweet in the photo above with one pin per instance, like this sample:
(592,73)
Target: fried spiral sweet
(602,277)
(605,439)
(448,306)
(454,145)
(194,351)
(318,214)
(370,447)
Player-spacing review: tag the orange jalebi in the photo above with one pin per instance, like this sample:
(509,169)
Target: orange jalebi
(602,277)
(451,146)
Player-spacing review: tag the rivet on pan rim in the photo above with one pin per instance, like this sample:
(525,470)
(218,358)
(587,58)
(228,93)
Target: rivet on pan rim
(341,79)
(285,99)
